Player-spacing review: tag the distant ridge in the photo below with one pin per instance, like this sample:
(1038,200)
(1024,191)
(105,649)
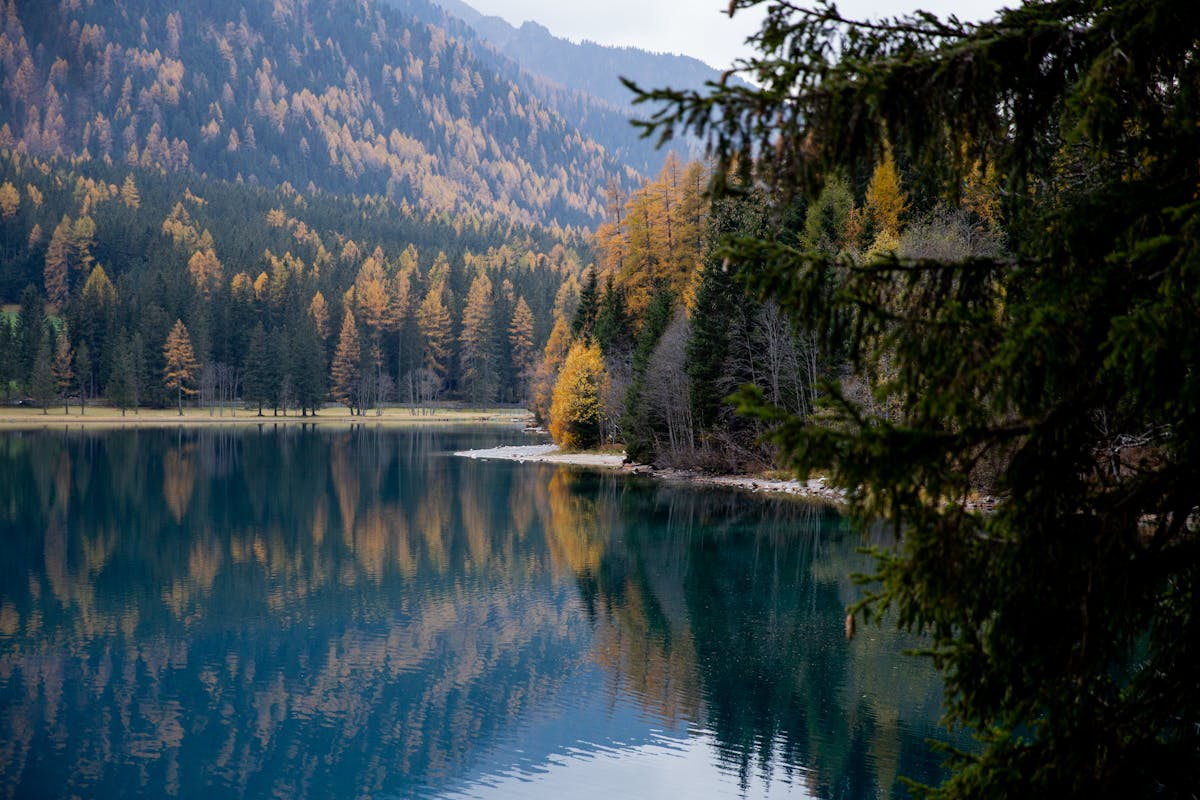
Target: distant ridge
(585,66)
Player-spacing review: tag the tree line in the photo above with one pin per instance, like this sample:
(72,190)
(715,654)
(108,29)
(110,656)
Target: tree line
(280,312)
(669,326)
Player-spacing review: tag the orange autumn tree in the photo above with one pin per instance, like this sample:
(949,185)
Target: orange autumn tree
(182,367)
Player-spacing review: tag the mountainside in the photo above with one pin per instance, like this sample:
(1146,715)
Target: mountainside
(585,66)
(350,96)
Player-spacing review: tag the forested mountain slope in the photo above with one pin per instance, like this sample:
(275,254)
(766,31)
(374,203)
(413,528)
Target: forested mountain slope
(354,97)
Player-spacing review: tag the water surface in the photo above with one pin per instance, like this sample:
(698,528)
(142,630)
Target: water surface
(357,613)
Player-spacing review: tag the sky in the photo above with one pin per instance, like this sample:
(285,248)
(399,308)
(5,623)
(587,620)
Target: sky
(699,28)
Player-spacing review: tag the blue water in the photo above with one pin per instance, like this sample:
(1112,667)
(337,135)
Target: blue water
(358,613)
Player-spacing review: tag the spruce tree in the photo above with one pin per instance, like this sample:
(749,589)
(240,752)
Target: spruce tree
(258,369)
(120,386)
(83,375)
(41,379)
(31,324)
(585,313)
(1059,379)
(63,367)
(639,433)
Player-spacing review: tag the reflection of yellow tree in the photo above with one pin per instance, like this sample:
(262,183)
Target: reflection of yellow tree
(475,523)
(433,522)
(573,533)
(179,480)
(345,485)
(653,663)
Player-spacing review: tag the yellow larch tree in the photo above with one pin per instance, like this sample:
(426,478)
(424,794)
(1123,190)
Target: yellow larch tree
(885,202)
(576,410)
(546,373)
(205,271)
(318,309)
(346,363)
(433,321)
(181,367)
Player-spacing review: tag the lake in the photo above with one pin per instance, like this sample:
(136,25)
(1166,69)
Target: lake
(357,613)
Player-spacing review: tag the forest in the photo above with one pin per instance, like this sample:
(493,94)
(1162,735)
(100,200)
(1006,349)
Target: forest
(990,293)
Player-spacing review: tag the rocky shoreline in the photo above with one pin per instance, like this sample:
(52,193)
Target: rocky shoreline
(815,488)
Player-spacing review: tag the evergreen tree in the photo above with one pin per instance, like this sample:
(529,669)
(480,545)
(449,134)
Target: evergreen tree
(722,301)
(120,386)
(613,325)
(41,379)
(9,352)
(636,424)
(308,365)
(64,373)
(520,338)
(258,368)
(585,313)
(1060,378)
(476,357)
(140,371)
(83,375)
(31,324)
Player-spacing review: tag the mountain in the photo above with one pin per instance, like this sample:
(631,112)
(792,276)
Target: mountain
(352,97)
(586,66)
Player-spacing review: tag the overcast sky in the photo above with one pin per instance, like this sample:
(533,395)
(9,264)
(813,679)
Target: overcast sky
(697,28)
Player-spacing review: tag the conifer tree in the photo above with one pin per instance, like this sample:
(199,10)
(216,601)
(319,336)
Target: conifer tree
(141,370)
(129,194)
(258,368)
(520,338)
(181,368)
(120,387)
(479,369)
(8,357)
(576,410)
(64,373)
(585,313)
(41,380)
(433,320)
(56,274)
(1059,378)
(636,425)
(308,364)
(31,324)
(613,327)
(83,375)
(345,373)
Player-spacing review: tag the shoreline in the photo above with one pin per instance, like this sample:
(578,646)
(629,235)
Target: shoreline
(812,489)
(106,417)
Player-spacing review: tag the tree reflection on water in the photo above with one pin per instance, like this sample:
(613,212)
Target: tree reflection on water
(311,612)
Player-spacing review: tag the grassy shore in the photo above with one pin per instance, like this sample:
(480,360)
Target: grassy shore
(101,416)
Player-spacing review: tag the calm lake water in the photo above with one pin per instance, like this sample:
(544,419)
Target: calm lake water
(341,614)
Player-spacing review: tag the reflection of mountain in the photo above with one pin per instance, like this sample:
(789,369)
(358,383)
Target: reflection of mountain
(317,614)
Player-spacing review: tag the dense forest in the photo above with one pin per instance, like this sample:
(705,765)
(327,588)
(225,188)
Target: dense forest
(336,201)
(354,98)
(668,326)
(112,264)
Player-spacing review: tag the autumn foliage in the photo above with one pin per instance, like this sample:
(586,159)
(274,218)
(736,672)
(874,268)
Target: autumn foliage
(576,411)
